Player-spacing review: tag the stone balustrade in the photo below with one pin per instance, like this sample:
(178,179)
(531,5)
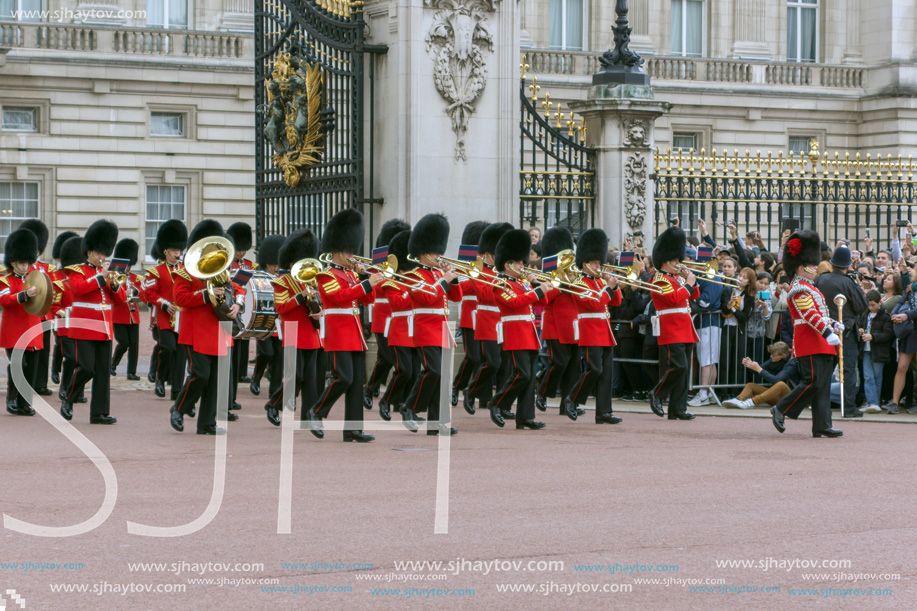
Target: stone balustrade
(699,69)
(126,41)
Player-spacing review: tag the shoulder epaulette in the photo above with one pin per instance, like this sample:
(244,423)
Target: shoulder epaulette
(77,268)
(184,274)
(279,282)
(392,284)
(152,272)
(4,280)
(59,284)
(51,268)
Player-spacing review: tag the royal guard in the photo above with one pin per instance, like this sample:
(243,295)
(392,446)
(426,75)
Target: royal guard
(427,244)
(172,239)
(203,339)
(127,315)
(485,317)
(268,354)
(241,236)
(399,330)
(41,232)
(58,275)
(557,328)
(471,237)
(94,290)
(153,308)
(71,253)
(673,325)
(516,330)
(296,302)
(378,313)
(20,253)
(340,290)
(592,328)
(815,338)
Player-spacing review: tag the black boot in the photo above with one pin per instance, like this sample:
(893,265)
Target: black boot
(384,411)
(409,419)
(495,414)
(160,390)
(568,409)
(468,402)
(367,397)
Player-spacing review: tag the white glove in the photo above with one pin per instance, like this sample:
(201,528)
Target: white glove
(838,327)
(833,340)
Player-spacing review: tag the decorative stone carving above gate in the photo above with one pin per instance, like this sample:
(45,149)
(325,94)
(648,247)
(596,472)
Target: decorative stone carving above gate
(459,42)
(635,179)
(636,133)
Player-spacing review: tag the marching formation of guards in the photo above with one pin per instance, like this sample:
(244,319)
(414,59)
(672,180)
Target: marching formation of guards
(314,309)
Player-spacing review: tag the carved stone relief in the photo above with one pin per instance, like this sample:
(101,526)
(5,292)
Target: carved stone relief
(635,177)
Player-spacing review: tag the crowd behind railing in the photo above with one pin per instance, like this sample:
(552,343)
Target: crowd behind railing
(743,358)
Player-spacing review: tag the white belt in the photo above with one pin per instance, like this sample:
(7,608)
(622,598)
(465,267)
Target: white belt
(514,318)
(488,308)
(592,315)
(470,298)
(439,311)
(673,311)
(369,310)
(800,321)
(92,306)
(350,311)
(381,301)
(407,313)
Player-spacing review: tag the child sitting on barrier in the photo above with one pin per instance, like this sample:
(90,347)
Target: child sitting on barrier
(779,371)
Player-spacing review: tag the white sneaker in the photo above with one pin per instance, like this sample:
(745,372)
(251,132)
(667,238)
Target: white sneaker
(700,400)
(747,404)
(735,403)
(872,409)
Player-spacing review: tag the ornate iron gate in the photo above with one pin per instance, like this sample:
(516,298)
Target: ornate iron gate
(557,173)
(309,125)
(840,196)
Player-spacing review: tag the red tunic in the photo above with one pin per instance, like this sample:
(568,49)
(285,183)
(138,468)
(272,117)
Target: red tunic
(675,323)
(592,326)
(516,329)
(159,291)
(487,313)
(431,311)
(400,326)
(339,290)
(15,321)
(378,312)
(811,321)
(127,313)
(92,300)
(198,325)
(469,304)
(291,307)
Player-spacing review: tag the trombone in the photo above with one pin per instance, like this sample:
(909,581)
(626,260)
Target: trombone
(387,269)
(471,269)
(630,279)
(708,271)
(565,263)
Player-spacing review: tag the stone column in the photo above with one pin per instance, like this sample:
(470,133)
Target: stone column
(749,30)
(620,123)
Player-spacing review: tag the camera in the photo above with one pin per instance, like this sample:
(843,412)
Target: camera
(867,232)
(764,295)
(901,223)
(638,234)
(673,220)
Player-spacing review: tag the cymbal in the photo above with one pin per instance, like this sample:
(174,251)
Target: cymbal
(40,304)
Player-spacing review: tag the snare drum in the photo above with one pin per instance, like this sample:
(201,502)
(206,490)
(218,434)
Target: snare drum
(259,316)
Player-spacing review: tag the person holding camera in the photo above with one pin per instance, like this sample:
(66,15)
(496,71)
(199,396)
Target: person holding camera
(832,284)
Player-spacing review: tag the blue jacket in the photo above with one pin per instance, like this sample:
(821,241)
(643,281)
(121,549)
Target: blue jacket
(786,371)
(709,300)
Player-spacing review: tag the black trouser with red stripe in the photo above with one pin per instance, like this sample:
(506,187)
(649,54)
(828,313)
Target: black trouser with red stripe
(154,357)
(815,390)
(68,354)
(519,385)
(385,360)
(470,363)
(673,376)
(407,368)
(128,339)
(91,356)
(306,377)
(347,367)
(57,358)
(202,384)
(29,370)
(481,386)
(172,360)
(269,353)
(41,362)
(424,395)
(596,377)
(563,369)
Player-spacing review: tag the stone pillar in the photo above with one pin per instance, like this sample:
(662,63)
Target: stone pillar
(620,123)
(749,30)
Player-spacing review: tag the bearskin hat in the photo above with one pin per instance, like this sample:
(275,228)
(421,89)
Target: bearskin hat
(301,244)
(344,232)
(101,237)
(59,241)
(389,230)
(669,246)
(803,248)
(71,252)
(208,228)
(39,229)
(514,245)
(21,245)
(156,252)
(399,247)
(269,251)
(592,246)
(172,234)
(556,239)
(491,235)
(430,235)
(473,231)
(241,235)
(127,249)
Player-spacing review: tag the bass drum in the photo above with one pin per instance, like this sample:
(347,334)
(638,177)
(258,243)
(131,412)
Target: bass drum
(259,316)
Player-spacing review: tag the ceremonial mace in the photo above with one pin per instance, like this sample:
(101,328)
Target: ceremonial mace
(839,301)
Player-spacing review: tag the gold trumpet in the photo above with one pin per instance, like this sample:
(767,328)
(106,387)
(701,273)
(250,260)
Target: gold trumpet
(630,279)
(471,269)
(387,269)
(709,270)
(115,279)
(565,265)
(209,259)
